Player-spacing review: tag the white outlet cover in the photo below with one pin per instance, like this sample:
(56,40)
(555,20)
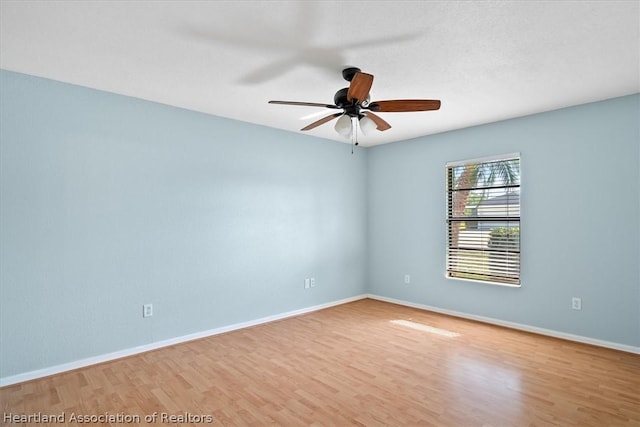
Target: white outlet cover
(576,303)
(147,310)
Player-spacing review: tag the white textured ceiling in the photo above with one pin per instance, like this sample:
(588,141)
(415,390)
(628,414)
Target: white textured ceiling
(486,60)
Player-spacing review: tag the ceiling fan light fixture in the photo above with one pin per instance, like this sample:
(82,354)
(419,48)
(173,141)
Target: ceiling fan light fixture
(367,126)
(343,126)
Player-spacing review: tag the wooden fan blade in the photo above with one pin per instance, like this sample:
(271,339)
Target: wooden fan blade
(380,123)
(321,121)
(306,104)
(359,87)
(404,105)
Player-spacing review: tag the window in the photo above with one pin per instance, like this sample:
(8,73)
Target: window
(483,220)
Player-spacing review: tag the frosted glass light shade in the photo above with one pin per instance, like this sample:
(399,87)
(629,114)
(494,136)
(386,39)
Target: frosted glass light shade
(367,125)
(343,126)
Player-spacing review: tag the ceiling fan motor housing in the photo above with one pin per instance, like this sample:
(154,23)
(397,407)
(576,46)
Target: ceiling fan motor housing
(340,98)
(351,108)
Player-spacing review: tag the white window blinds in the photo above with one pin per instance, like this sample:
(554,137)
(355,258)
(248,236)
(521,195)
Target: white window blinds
(483,217)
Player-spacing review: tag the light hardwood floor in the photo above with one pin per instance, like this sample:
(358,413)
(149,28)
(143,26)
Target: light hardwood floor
(365,363)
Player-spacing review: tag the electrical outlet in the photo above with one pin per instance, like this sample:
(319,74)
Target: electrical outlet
(313,282)
(307,283)
(407,279)
(576,303)
(147,310)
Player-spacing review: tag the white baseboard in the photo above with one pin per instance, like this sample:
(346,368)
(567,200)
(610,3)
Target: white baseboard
(40,373)
(513,325)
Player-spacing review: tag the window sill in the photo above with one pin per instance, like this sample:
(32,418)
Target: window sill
(484,282)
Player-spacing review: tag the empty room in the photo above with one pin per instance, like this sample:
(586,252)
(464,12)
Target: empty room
(327,213)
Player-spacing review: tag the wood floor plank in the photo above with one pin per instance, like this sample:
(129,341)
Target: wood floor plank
(366,363)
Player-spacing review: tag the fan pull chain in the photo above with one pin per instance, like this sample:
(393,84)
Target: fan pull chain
(354,134)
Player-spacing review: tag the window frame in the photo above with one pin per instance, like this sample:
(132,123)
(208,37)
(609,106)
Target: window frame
(480,160)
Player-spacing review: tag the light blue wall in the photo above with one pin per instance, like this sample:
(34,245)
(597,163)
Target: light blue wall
(109,202)
(580,220)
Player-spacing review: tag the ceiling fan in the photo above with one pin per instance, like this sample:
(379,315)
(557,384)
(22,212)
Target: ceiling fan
(355,105)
